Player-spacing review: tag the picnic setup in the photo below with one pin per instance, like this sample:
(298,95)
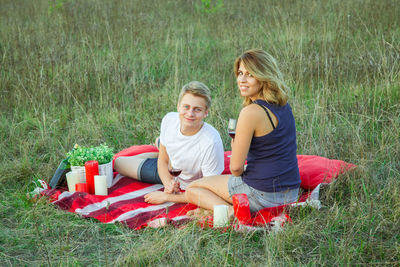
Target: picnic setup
(199,133)
(109,197)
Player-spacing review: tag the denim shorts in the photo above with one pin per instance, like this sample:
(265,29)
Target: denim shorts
(260,199)
(148,172)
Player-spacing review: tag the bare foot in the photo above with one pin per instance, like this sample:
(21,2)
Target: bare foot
(156,197)
(231,214)
(198,213)
(193,213)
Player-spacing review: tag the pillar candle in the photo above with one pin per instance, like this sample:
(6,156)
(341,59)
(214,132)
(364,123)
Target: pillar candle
(100,185)
(91,169)
(73,178)
(81,174)
(81,187)
(241,208)
(221,216)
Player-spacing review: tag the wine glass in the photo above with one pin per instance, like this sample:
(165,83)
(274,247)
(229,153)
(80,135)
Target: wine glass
(232,128)
(175,172)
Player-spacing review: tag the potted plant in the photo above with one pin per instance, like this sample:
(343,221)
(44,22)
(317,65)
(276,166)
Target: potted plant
(103,154)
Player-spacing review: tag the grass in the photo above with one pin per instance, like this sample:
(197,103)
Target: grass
(90,72)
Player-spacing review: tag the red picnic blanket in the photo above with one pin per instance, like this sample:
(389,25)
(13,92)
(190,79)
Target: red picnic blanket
(125,200)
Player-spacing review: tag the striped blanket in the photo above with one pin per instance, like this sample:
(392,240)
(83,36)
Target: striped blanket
(125,200)
(124,204)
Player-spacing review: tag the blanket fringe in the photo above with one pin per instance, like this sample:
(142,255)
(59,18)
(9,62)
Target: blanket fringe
(41,185)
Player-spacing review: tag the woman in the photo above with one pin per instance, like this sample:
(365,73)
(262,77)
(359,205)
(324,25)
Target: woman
(265,136)
(186,143)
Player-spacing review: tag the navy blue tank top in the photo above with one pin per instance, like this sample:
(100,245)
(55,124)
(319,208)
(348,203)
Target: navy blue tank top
(271,161)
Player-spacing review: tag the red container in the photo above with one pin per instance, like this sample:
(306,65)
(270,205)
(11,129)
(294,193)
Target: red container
(241,208)
(81,187)
(92,169)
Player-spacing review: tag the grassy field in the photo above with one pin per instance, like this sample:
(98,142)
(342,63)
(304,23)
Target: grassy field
(89,72)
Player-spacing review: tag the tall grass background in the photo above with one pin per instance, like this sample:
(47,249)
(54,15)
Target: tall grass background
(90,72)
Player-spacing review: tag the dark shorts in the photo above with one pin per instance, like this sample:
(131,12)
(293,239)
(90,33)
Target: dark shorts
(260,199)
(148,172)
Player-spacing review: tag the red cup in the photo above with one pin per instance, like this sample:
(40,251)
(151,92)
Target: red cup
(241,208)
(91,169)
(81,187)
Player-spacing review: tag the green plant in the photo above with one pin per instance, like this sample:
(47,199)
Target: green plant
(103,154)
(210,6)
(55,5)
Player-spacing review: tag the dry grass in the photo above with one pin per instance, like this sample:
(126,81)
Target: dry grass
(89,72)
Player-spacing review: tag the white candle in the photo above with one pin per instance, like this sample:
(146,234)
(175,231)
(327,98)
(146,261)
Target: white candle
(80,172)
(221,215)
(107,170)
(72,179)
(100,185)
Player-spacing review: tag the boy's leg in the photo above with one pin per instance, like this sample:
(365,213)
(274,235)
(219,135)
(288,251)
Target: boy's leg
(157,142)
(129,166)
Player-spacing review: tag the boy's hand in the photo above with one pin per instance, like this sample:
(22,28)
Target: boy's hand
(172,187)
(177,187)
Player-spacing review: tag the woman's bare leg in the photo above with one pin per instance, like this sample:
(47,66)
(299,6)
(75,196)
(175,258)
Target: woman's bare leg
(128,166)
(210,191)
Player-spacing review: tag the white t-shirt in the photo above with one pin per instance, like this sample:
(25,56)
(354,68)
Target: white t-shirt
(198,155)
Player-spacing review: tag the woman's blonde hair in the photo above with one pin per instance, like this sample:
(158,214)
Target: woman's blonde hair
(198,89)
(264,68)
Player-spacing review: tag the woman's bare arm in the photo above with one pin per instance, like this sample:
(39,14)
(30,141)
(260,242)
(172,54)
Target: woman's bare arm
(252,122)
(241,143)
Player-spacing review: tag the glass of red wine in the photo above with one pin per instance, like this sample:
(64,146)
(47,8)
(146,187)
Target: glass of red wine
(232,128)
(174,172)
